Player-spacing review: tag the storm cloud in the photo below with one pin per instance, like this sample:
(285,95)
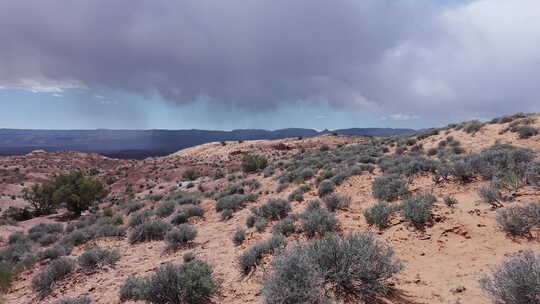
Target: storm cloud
(413,57)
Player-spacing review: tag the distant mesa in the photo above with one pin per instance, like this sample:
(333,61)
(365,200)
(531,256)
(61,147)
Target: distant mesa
(139,144)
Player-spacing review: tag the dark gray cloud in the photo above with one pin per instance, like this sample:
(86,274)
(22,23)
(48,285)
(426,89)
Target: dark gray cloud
(404,57)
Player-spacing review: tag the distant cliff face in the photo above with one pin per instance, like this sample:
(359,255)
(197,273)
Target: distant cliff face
(144,143)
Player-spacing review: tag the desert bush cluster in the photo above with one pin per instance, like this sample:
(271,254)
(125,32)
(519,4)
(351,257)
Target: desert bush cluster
(357,265)
(253,255)
(516,280)
(192,282)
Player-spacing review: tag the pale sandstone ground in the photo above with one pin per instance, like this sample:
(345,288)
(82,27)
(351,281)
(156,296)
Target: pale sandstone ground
(463,243)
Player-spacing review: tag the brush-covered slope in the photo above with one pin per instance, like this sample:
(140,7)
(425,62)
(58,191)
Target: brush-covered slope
(444,231)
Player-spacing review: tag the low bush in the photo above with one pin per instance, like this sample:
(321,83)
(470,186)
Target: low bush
(516,280)
(285,226)
(17,237)
(46,228)
(450,201)
(357,265)
(318,222)
(188,199)
(519,220)
(297,195)
(260,224)
(191,282)
(164,209)
(417,209)
(525,131)
(490,195)
(188,257)
(149,231)
(250,220)
(239,236)
(194,211)
(95,258)
(274,209)
(79,300)
(254,163)
(78,237)
(6,278)
(472,126)
(179,237)
(109,230)
(336,201)
(17,253)
(325,187)
(379,214)
(132,207)
(180,218)
(313,204)
(57,270)
(227,214)
(139,217)
(389,188)
(48,239)
(132,289)
(54,252)
(432,151)
(191,174)
(252,256)
(234,202)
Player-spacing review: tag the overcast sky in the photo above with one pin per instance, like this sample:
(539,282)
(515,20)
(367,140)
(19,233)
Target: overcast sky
(265,63)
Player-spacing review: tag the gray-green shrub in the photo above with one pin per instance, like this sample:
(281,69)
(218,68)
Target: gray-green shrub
(149,231)
(336,201)
(252,256)
(179,237)
(379,214)
(357,265)
(515,281)
(164,209)
(57,270)
(96,257)
(389,188)
(417,209)
(239,236)
(191,282)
